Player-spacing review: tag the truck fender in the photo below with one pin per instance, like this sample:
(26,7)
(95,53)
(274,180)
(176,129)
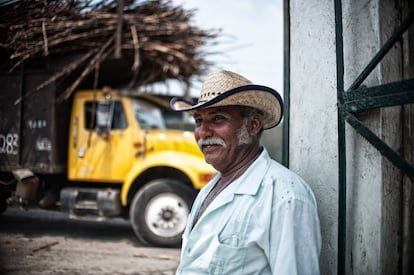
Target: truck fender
(193,167)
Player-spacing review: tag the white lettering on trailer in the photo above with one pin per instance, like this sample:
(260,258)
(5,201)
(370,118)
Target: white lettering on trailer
(43,144)
(37,123)
(9,144)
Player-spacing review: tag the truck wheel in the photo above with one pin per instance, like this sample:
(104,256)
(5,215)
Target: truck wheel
(159,212)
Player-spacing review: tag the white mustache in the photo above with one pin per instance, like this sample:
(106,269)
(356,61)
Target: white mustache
(211,141)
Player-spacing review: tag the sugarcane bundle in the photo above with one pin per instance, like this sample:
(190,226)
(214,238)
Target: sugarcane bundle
(158,38)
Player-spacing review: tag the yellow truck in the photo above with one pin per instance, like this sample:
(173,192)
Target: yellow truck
(98,155)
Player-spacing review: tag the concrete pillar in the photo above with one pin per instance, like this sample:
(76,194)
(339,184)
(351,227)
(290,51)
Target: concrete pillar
(313,150)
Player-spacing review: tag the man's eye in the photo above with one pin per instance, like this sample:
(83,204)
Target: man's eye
(218,118)
(198,121)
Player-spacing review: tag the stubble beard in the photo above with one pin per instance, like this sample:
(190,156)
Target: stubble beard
(243,136)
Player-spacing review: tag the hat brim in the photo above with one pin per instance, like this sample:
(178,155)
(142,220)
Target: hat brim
(260,97)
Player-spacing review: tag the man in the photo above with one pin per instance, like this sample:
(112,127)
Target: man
(255,216)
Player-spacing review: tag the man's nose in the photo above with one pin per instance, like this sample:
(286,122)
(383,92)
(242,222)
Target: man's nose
(203,130)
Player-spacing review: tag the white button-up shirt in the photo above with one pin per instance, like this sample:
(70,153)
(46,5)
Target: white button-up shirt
(265,222)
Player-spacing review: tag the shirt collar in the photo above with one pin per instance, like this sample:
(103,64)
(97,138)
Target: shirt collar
(250,181)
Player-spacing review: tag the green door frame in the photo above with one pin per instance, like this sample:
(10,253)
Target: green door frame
(358,99)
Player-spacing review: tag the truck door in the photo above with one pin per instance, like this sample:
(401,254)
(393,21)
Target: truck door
(104,140)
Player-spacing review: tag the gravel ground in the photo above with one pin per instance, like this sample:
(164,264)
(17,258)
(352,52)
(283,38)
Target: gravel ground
(44,242)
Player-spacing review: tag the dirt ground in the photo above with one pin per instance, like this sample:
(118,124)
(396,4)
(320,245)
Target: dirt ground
(43,242)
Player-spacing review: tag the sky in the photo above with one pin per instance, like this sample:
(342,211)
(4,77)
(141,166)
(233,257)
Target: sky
(251,42)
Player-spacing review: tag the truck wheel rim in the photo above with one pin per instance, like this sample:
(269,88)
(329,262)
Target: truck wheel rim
(166,215)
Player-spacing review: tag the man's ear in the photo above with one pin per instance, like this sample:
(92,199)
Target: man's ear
(255,125)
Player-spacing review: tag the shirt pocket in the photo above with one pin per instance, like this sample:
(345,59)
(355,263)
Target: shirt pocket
(229,256)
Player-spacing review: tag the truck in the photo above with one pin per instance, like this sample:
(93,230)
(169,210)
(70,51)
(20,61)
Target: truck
(102,153)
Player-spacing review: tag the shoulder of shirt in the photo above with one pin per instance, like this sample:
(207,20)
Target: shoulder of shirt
(288,184)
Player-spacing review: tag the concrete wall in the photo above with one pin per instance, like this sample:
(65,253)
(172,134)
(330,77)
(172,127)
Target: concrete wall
(272,140)
(313,114)
(373,184)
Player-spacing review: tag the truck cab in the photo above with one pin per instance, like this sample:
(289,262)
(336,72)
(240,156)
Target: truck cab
(122,161)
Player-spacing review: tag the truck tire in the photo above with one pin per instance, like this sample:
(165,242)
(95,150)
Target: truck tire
(159,212)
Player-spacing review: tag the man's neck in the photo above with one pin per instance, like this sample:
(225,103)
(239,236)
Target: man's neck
(238,170)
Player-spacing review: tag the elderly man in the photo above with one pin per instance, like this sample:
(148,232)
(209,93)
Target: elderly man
(255,216)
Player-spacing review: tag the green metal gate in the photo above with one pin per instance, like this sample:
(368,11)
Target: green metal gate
(357,99)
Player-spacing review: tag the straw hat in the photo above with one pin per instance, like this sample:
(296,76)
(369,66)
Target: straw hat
(224,88)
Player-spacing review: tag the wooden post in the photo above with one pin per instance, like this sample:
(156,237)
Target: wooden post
(120,12)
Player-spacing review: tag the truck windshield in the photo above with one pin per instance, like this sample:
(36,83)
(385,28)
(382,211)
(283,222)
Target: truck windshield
(148,115)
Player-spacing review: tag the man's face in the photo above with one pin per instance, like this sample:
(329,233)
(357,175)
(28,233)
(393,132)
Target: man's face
(222,135)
